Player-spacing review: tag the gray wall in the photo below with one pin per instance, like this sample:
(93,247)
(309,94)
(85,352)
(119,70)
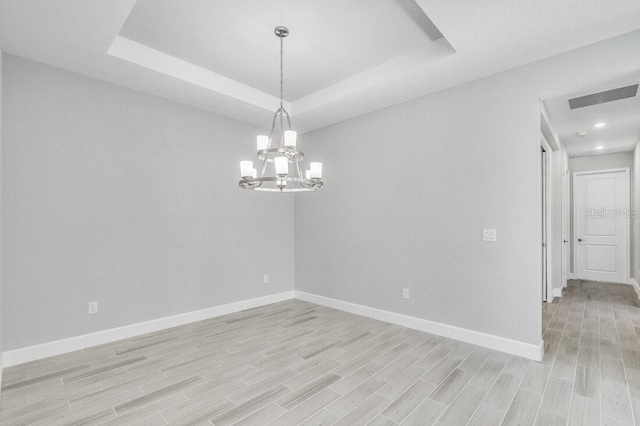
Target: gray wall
(1,101)
(603,162)
(636,204)
(115,196)
(410,188)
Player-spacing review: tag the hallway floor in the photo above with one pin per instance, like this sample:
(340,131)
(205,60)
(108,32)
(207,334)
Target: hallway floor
(591,369)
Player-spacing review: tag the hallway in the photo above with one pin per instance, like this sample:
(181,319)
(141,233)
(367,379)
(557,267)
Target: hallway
(592,349)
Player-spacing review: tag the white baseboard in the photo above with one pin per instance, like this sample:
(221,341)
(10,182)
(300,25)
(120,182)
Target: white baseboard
(45,350)
(635,285)
(514,347)
(557,292)
(572,276)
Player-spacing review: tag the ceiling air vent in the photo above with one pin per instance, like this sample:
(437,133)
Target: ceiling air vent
(603,97)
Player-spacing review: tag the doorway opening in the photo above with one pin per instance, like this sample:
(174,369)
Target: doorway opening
(591,168)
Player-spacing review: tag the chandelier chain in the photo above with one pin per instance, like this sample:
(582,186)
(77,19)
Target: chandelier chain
(281,71)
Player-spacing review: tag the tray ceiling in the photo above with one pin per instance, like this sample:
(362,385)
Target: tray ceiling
(235,39)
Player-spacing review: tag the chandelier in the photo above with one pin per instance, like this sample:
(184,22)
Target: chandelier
(279,155)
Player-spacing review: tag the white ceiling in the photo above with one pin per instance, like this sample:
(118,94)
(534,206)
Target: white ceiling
(343,59)
(622,121)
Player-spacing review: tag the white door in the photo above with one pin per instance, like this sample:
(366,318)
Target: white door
(602,225)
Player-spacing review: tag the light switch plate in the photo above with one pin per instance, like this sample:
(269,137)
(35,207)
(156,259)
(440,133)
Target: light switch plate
(489,235)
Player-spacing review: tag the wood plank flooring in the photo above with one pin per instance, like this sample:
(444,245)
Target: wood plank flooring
(296,363)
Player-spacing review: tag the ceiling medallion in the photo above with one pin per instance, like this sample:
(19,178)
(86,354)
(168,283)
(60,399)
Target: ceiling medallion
(280,154)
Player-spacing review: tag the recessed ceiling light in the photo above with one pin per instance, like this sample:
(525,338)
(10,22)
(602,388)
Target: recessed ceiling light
(599,147)
(599,124)
(581,133)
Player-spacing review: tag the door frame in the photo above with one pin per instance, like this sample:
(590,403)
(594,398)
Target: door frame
(545,200)
(574,198)
(566,222)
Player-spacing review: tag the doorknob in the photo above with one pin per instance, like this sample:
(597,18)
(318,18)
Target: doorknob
(579,239)
(565,241)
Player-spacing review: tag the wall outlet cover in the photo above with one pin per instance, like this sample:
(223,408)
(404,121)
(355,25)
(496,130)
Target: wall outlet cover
(489,235)
(93,308)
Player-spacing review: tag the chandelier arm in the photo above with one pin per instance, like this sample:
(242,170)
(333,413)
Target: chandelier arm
(288,118)
(305,184)
(265,161)
(281,129)
(264,168)
(273,128)
(281,112)
(298,170)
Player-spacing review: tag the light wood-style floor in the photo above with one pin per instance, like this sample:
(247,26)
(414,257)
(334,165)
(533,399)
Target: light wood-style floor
(296,363)
(592,356)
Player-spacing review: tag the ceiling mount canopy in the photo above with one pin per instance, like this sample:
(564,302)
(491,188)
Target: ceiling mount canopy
(279,155)
(281,31)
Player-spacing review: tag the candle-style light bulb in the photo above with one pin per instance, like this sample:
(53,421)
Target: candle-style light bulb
(282,166)
(290,137)
(246,169)
(263,142)
(316,170)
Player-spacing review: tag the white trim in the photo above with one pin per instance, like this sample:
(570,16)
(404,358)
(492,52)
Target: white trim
(554,140)
(602,171)
(635,285)
(145,56)
(546,220)
(565,219)
(514,347)
(557,292)
(45,350)
(572,275)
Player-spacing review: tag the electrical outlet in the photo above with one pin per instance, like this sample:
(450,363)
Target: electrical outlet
(266,279)
(405,293)
(93,308)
